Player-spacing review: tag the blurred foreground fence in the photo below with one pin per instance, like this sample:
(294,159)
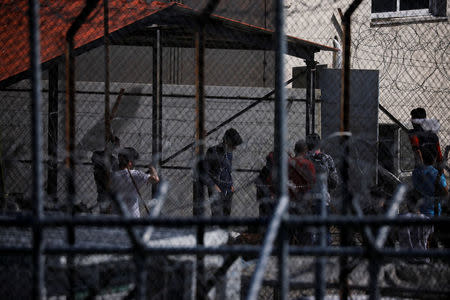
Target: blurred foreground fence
(169,80)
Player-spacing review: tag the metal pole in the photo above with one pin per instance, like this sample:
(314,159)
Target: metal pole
(108,138)
(283,263)
(280,142)
(160,97)
(70,129)
(199,197)
(320,262)
(36,102)
(310,94)
(345,127)
(156,105)
(70,165)
(141,275)
(52,151)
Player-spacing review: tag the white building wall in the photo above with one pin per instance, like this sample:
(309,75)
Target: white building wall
(412,56)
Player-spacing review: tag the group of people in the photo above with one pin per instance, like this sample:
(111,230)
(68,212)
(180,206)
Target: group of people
(304,168)
(305,193)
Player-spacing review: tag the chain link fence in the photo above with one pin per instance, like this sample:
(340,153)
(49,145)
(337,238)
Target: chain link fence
(149,76)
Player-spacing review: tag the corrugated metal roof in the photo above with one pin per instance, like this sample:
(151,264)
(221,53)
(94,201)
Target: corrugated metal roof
(129,23)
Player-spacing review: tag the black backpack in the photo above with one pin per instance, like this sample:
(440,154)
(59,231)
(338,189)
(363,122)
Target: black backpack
(318,159)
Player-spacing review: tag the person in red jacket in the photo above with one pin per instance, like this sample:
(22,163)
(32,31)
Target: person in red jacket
(302,177)
(423,137)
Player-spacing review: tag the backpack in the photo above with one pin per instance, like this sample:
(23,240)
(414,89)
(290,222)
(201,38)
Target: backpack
(319,161)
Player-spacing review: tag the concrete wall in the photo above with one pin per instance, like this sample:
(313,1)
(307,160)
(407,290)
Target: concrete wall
(133,125)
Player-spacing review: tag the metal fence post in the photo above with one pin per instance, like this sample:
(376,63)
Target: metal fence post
(310,95)
(36,102)
(157,99)
(345,127)
(52,136)
(280,143)
(323,239)
(70,129)
(108,138)
(199,197)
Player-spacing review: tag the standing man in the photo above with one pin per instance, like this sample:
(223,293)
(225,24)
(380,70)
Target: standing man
(127,181)
(423,137)
(103,168)
(323,162)
(302,177)
(216,173)
(430,185)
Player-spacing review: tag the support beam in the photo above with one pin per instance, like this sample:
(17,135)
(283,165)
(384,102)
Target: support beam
(157,103)
(36,101)
(52,134)
(198,193)
(310,95)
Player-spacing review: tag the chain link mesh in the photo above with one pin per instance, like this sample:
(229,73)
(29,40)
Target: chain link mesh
(399,61)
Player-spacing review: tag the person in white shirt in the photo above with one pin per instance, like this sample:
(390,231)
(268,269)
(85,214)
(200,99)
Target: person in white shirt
(127,181)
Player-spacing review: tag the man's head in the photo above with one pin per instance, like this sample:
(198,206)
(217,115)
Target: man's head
(300,147)
(418,113)
(232,138)
(127,156)
(313,141)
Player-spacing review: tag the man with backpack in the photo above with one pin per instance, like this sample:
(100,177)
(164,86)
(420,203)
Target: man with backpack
(423,137)
(323,164)
(428,178)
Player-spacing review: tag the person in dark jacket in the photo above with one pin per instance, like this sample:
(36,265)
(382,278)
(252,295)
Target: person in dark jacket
(302,177)
(265,190)
(216,174)
(423,137)
(323,162)
(103,166)
(324,165)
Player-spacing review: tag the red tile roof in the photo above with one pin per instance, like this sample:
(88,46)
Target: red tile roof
(56,18)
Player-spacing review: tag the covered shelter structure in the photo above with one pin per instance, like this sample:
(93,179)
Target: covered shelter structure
(134,23)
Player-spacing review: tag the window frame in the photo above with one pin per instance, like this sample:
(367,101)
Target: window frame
(403,13)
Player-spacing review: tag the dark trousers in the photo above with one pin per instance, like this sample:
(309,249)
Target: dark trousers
(221,203)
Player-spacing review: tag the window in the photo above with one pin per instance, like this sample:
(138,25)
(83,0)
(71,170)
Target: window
(408,8)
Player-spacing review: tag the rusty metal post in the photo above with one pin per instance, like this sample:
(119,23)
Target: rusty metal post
(108,138)
(157,101)
(107,114)
(345,127)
